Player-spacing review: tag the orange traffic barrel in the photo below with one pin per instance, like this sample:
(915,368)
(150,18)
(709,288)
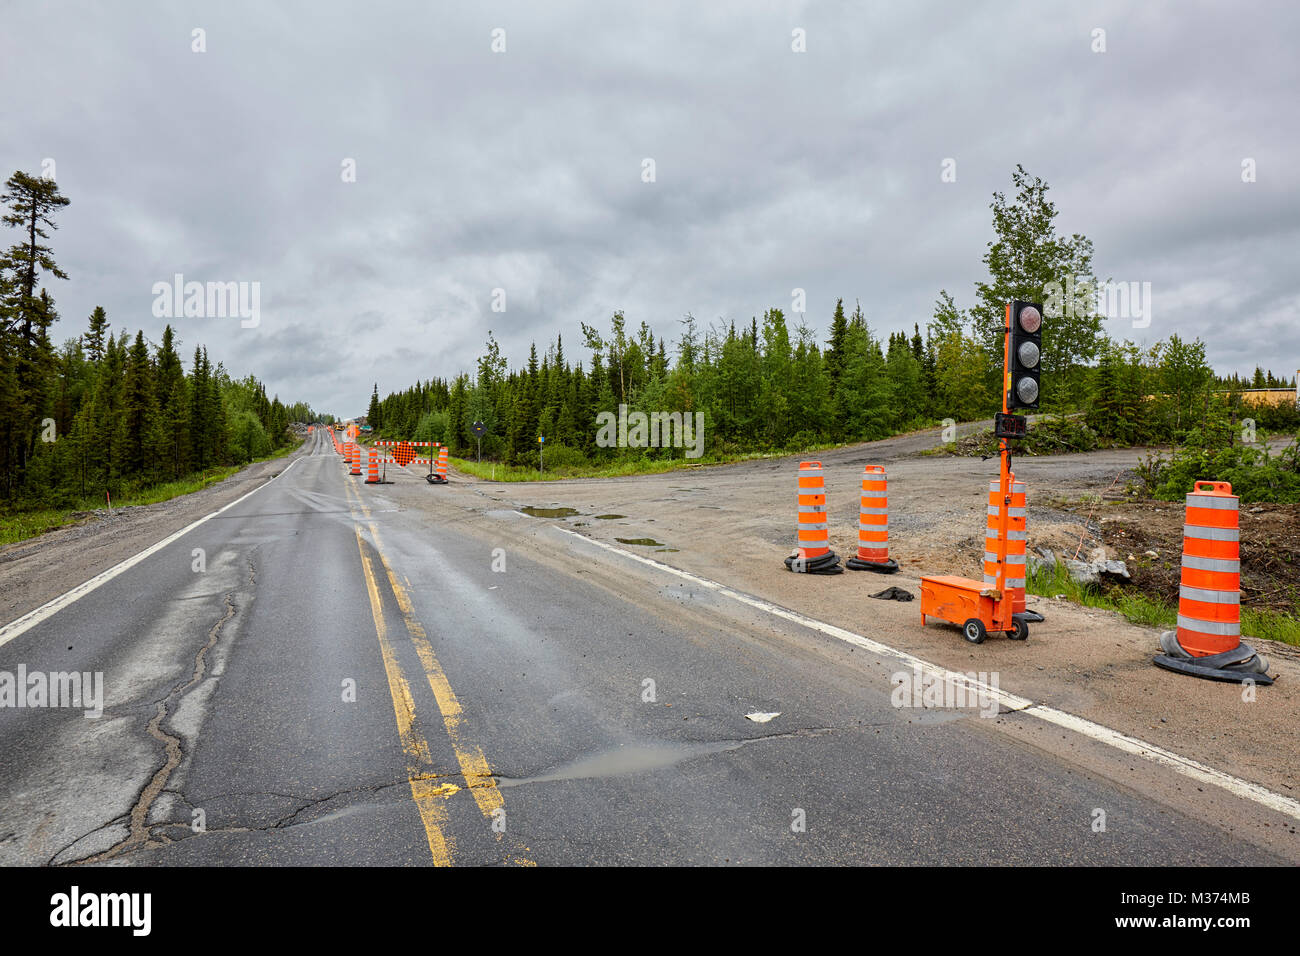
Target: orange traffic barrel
(356,460)
(1207,641)
(439,475)
(873,524)
(373,477)
(813,554)
(1017,537)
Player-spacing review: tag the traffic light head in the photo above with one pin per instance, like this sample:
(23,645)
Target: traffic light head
(1024,363)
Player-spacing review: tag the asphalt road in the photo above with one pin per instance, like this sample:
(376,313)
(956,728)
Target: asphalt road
(317,676)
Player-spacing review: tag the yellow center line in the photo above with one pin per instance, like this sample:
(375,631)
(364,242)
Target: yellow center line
(428,794)
(478,775)
(473,764)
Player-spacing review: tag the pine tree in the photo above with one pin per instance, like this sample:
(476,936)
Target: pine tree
(95,336)
(834,357)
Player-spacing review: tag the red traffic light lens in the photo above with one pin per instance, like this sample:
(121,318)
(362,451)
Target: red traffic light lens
(1030,319)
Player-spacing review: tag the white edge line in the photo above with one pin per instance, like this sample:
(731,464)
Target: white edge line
(1167,758)
(1113,738)
(29,620)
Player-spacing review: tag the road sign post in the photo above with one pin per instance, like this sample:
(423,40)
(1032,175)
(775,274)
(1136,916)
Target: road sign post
(541,454)
(478,428)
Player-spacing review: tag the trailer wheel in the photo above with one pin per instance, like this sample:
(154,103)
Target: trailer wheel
(1021,633)
(973,630)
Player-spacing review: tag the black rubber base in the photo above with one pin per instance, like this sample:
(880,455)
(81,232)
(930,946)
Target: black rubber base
(1236,666)
(435,480)
(828,563)
(880,567)
(1032,617)
(377,482)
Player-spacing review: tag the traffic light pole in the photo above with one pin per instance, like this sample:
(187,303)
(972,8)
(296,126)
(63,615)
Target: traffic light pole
(1002,612)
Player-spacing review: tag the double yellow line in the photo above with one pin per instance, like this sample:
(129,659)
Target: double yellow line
(429,795)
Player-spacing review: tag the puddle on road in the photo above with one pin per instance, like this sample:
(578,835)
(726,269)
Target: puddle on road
(628,759)
(609,517)
(550,512)
(666,549)
(644,542)
(634,758)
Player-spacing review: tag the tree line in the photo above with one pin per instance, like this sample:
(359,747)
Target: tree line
(775,385)
(105,412)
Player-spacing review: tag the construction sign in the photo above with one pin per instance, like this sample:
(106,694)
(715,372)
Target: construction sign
(403,453)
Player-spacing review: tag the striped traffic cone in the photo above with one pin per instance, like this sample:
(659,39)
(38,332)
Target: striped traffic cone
(356,460)
(439,476)
(873,525)
(373,478)
(1017,541)
(813,554)
(1207,642)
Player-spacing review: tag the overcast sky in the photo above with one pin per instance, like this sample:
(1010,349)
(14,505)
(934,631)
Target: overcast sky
(523,170)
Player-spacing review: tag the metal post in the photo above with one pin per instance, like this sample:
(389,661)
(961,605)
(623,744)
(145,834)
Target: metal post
(1002,613)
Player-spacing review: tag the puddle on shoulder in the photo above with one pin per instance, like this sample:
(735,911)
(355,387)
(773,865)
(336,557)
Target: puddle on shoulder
(550,512)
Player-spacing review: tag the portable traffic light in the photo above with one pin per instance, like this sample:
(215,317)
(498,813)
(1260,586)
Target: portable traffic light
(1024,361)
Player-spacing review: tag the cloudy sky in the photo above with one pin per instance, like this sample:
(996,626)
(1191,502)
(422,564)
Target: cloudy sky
(522,169)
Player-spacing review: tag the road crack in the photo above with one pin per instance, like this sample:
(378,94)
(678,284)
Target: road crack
(140,833)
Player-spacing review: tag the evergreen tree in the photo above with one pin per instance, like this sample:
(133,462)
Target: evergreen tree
(95,336)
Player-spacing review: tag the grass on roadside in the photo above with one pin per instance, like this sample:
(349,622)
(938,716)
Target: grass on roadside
(494,471)
(21,525)
(1148,610)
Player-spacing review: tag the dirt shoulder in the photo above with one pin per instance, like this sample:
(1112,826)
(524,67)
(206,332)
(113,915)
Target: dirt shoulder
(735,523)
(39,569)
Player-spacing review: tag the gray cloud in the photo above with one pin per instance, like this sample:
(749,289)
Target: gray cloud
(521,170)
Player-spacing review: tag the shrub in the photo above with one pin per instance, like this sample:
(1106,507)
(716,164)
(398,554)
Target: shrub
(1254,474)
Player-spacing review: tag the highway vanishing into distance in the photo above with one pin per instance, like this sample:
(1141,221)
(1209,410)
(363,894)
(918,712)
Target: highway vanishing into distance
(319,674)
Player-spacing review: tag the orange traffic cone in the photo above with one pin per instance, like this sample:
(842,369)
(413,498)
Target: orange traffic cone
(373,478)
(813,554)
(1207,642)
(873,525)
(356,460)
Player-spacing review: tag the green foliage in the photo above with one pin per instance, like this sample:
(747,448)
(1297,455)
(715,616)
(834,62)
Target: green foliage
(431,427)
(1255,475)
(1026,260)
(103,413)
(248,439)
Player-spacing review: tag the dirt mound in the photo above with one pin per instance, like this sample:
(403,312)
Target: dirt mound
(1270,546)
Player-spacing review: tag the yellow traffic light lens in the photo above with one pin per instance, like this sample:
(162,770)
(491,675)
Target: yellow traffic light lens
(1031,320)
(1028,354)
(1027,390)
